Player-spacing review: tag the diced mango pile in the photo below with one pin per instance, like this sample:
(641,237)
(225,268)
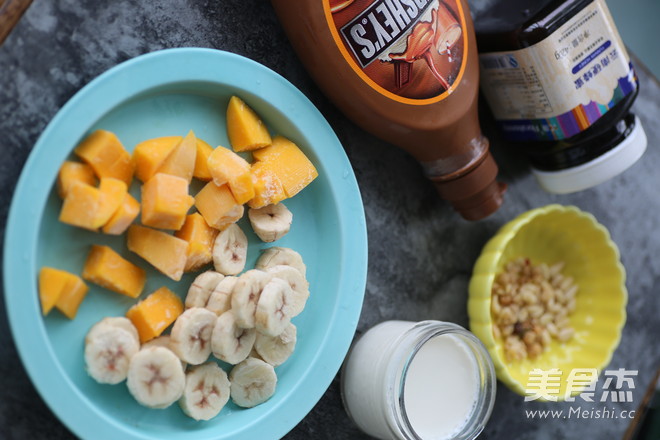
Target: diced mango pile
(96,197)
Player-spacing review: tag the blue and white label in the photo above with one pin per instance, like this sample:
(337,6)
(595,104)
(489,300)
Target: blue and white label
(563,84)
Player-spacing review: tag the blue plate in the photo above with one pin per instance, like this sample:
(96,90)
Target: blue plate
(168,93)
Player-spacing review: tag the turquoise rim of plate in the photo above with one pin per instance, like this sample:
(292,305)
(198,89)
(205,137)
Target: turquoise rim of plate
(104,93)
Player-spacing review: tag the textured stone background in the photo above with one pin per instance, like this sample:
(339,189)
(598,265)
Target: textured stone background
(420,252)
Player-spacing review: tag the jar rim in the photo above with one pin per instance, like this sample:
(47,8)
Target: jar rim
(419,335)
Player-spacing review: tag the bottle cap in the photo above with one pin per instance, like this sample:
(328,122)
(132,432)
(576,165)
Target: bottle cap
(598,170)
(476,194)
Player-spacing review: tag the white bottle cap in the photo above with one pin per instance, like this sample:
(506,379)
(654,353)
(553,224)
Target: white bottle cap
(597,171)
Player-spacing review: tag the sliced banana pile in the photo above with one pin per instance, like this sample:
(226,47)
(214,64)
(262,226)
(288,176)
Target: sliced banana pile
(243,320)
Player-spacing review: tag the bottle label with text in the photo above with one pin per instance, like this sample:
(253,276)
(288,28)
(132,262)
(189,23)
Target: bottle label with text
(413,51)
(562,85)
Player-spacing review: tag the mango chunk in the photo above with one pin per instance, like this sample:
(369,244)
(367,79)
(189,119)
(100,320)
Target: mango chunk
(72,296)
(81,206)
(165,201)
(181,161)
(149,155)
(51,285)
(204,150)
(228,167)
(108,269)
(71,172)
(218,206)
(285,160)
(200,237)
(155,313)
(61,289)
(245,130)
(165,252)
(123,217)
(113,192)
(103,151)
(242,188)
(268,189)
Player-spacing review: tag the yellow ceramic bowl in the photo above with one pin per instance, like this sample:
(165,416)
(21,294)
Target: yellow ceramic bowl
(548,235)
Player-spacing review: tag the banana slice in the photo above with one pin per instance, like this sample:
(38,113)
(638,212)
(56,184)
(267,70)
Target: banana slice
(162,341)
(273,312)
(254,354)
(271,222)
(220,300)
(206,392)
(252,382)
(155,377)
(115,321)
(191,335)
(298,283)
(200,290)
(230,251)
(245,296)
(276,350)
(229,342)
(232,216)
(108,351)
(280,255)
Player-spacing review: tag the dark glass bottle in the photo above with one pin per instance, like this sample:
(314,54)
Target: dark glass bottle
(578,146)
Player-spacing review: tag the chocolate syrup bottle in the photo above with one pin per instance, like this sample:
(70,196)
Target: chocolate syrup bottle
(558,79)
(407,71)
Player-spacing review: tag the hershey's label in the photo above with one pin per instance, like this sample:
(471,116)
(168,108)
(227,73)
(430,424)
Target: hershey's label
(412,51)
(380,25)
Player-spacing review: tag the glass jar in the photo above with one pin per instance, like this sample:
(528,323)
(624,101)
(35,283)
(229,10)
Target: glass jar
(406,380)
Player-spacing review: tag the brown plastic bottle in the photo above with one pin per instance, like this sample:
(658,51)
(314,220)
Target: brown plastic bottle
(406,71)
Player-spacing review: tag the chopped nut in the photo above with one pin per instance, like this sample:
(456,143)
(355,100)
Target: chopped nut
(523,315)
(495,306)
(507,316)
(535,311)
(520,328)
(529,338)
(534,350)
(530,306)
(514,349)
(565,334)
(570,293)
(546,338)
(561,321)
(496,332)
(530,296)
(566,284)
(546,319)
